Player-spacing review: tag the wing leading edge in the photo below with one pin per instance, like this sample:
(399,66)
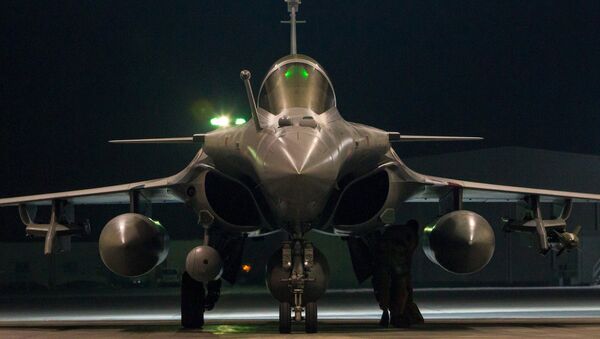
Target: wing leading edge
(156,191)
(397,137)
(436,187)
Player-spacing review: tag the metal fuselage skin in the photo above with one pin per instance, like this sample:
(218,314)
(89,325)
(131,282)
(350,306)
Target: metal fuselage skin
(297,168)
(296,158)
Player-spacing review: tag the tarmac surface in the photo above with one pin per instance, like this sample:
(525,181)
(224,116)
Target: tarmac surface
(472,312)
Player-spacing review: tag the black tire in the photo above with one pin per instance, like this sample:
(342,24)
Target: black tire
(192,302)
(311,318)
(285,318)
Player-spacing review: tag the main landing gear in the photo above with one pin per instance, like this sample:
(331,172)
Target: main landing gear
(195,300)
(297,276)
(192,302)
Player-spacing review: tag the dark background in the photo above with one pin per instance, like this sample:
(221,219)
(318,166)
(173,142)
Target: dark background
(78,73)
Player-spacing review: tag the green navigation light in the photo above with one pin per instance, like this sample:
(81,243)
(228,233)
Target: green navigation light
(240,121)
(222,121)
(157,223)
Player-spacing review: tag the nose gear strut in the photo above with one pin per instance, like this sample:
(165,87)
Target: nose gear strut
(297,276)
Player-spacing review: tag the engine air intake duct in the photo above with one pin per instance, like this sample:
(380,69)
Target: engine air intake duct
(362,200)
(230,200)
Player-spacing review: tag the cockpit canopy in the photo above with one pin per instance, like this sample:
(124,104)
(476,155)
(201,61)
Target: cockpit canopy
(296,83)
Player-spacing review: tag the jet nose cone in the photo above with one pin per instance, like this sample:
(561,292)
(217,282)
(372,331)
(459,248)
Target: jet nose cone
(298,175)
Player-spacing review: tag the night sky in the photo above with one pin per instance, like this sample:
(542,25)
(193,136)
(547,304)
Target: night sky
(78,73)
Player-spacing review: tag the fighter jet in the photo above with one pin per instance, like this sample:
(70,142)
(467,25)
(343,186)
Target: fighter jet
(296,166)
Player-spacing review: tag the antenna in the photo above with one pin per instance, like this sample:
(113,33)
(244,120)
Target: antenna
(245,76)
(293,6)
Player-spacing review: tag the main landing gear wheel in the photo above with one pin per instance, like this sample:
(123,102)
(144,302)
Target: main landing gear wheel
(285,318)
(310,315)
(192,302)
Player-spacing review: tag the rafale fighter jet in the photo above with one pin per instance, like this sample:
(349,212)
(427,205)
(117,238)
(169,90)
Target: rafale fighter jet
(296,166)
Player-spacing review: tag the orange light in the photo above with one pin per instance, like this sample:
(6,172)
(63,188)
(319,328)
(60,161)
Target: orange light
(246,268)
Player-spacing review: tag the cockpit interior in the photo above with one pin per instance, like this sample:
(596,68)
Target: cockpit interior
(296,84)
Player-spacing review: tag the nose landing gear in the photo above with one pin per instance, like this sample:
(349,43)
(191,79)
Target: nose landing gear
(297,276)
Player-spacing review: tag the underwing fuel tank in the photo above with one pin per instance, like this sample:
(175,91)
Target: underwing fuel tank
(132,244)
(461,242)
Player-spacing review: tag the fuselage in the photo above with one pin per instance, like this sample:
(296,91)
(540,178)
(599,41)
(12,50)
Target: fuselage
(303,148)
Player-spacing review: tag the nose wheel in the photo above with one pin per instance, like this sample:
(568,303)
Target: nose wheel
(310,318)
(298,258)
(310,315)
(285,318)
